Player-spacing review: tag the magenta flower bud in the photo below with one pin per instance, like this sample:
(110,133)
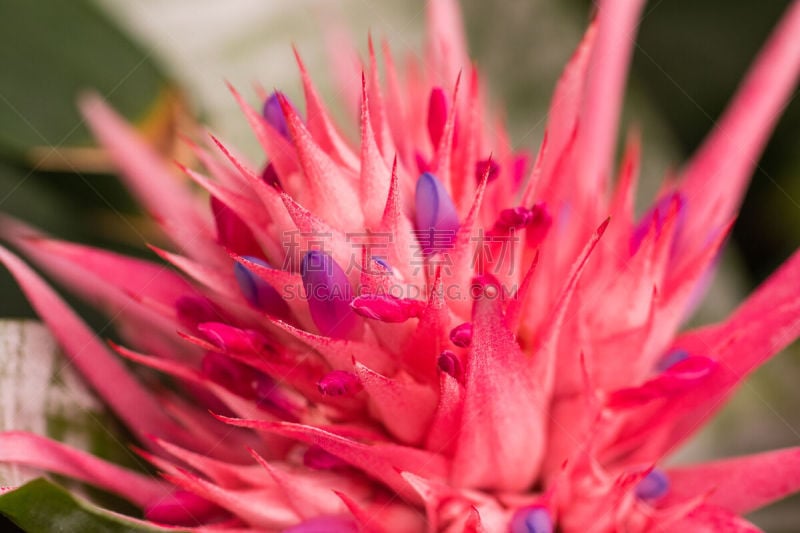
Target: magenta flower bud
(181,508)
(329,293)
(339,383)
(532,519)
(274,114)
(270,176)
(518,168)
(232,375)
(232,232)
(487,165)
(513,218)
(230,339)
(449,363)
(258,292)
(461,335)
(193,310)
(653,486)
(386,308)
(319,459)
(539,225)
(437,218)
(437,115)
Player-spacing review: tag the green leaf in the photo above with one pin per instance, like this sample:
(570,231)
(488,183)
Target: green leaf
(41,507)
(50,51)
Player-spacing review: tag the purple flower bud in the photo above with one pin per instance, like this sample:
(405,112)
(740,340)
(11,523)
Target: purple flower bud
(329,294)
(339,383)
(274,114)
(461,335)
(532,519)
(437,218)
(653,486)
(449,363)
(383,263)
(258,292)
(671,358)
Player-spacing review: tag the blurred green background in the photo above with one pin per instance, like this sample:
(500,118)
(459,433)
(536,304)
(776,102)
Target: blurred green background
(162,62)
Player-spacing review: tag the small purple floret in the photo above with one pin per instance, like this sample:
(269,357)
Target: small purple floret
(274,114)
(436,215)
(258,292)
(653,486)
(329,293)
(671,358)
(533,519)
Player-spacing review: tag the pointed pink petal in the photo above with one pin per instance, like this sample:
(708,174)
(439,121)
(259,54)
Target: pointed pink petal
(605,85)
(380,461)
(719,171)
(257,507)
(710,519)
(135,405)
(320,124)
(444,429)
(502,436)
(377,107)
(21,448)
(394,398)
(739,485)
(375,175)
(326,184)
(278,149)
(446,44)
(151,181)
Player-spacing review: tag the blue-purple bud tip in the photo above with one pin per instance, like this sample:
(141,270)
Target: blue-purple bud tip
(533,519)
(653,486)
(671,358)
(258,292)
(274,114)
(436,215)
(329,293)
(383,263)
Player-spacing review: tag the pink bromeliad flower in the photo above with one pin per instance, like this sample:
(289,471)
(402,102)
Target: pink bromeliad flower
(424,330)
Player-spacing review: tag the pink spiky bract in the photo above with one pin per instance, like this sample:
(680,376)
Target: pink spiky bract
(379,364)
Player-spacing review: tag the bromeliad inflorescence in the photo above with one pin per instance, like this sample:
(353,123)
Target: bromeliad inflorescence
(426,330)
